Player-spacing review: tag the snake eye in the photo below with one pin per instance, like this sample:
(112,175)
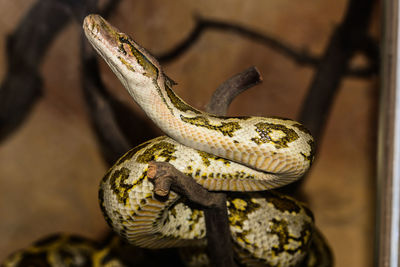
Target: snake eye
(125,46)
(131,52)
(121,49)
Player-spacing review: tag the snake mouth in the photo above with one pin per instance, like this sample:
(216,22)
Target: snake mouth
(89,24)
(101,34)
(96,25)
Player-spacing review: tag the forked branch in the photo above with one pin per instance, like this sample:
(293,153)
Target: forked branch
(166,177)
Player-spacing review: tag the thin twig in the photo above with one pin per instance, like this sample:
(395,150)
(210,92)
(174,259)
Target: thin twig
(302,57)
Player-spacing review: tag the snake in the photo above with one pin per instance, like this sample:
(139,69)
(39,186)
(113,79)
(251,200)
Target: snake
(243,155)
(72,250)
(66,250)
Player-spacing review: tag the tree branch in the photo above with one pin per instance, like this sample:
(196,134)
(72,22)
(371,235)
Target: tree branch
(165,177)
(22,85)
(344,42)
(26,48)
(347,38)
(219,242)
(226,92)
(302,57)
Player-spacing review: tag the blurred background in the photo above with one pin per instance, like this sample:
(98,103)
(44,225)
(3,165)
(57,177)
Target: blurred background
(51,162)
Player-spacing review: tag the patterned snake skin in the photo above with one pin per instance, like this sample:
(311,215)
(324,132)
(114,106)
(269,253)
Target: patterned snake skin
(237,154)
(240,154)
(65,250)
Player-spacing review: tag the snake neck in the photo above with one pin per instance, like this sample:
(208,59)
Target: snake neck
(162,105)
(140,73)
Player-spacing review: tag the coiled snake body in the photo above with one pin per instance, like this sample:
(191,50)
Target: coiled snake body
(239,154)
(221,153)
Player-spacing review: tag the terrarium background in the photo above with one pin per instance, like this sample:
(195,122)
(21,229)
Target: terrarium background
(50,168)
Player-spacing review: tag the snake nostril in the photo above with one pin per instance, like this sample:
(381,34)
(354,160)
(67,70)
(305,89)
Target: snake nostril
(90,25)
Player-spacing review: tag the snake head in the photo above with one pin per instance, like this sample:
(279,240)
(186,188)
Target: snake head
(132,64)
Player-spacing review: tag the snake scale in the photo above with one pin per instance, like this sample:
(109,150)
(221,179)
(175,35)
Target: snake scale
(241,155)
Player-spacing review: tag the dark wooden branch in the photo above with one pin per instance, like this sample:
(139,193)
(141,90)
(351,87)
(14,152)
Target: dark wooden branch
(347,38)
(22,85)
(226,92)
(219,238)
(219,242)
(112,140)
(344,42)
(26,47)
(302,57)
(165,177)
